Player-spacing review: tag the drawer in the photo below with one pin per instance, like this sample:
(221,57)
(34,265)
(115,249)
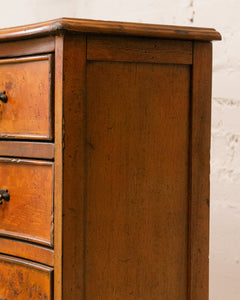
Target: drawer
(29,213)
(26,82)
(21,280)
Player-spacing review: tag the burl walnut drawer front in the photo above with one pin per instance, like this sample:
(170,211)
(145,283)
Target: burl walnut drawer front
(22,280)
(25,94)
(28,215)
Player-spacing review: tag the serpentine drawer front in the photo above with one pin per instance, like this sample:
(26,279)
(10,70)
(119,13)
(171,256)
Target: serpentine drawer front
(28,215)
(24,280)
(25,93)
(104,161)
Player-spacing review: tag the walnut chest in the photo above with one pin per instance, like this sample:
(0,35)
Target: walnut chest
(104,161)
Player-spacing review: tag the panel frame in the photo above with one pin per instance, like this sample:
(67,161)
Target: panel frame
(142,50)
(69,200)
(199,172)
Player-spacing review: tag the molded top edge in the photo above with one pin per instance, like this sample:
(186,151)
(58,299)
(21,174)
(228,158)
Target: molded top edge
(54,27)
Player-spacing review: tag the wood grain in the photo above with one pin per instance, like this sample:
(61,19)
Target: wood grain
(118,117)
(199,172)
(27,47)
(137,181)
(27,149)
(129,49)
(29,213)
(27,82)
(108,27)
(23,280)
(27,251)
(74,167)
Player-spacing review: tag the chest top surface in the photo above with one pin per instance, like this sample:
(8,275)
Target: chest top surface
(56,26)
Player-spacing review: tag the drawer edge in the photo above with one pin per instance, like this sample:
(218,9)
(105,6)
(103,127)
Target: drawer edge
(25,237)
(27,251)
(27,149)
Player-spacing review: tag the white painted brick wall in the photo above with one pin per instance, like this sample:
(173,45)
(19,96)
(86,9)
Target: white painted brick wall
(225,153)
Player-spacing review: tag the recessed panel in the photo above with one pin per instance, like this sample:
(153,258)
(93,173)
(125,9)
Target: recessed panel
(137,181)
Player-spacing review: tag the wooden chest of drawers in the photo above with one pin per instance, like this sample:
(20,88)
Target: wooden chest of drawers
(104,161)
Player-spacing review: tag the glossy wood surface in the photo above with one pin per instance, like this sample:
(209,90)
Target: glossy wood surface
(27,251)
(108,27)
(21,280)
(27,149)
(29,213)
(27,113)
(112,48)
(137,181)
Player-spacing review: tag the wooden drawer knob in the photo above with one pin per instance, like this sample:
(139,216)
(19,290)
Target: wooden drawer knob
(4,195)
(3,96)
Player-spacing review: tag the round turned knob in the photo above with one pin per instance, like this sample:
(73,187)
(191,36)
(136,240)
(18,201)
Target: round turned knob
(4,196)
(3,96)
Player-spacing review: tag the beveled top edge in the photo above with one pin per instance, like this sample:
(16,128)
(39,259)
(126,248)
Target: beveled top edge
(56,26)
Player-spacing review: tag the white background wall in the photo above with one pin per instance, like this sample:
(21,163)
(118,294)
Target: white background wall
(225,153)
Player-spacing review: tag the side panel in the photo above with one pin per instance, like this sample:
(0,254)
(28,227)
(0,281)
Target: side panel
(137,180)
(133,153)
